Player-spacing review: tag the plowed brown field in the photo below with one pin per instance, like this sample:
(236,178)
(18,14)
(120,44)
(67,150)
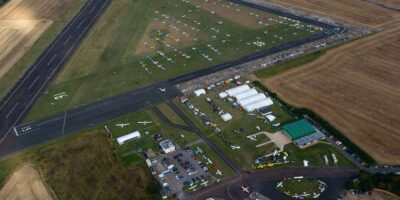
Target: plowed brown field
(356,88)
(356,11)
(22,22)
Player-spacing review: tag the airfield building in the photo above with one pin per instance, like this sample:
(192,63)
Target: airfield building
(302,133)
(167,146)
(129,137)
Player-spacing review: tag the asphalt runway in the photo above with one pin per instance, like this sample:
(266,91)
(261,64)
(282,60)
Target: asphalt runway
(42,131)
(264,182)
(17,103)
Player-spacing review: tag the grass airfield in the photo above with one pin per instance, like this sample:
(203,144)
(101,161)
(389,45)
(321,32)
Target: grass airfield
(139,42)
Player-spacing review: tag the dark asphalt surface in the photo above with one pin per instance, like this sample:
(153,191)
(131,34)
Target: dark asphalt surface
(168,122)
(265,182)
(17,103)
(38,132)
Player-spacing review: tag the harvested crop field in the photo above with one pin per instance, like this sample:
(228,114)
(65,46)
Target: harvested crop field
(356,88)
(22,22)
(369,14)
(25,183)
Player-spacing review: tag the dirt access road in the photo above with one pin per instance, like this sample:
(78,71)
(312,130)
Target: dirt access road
(22,22)
(356,88)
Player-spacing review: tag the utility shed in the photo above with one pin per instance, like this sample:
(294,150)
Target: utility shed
(298,129)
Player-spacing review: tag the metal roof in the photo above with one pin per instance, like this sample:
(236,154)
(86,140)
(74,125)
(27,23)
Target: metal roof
(298,129)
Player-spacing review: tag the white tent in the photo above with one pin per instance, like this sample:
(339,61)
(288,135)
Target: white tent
(236,90)
(222,95)
(199,92)
(271,118)
(252,99)
(246,94)
(226,117)
(121,140)
(258,104)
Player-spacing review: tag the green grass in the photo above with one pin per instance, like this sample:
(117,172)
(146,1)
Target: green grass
(314,154)
(85,167)
(170,114)
(9,79)
(107,56)
(244,157)
(276,69)
(299,186)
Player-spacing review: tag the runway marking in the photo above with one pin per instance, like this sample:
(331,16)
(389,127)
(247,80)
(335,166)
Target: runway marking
(91,10)
(80,24)
(9,113)
(52,59)
(16,132)
(33,83)
(66,41)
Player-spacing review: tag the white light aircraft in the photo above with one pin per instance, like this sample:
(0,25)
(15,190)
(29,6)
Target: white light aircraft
(163,89)
(145,122)
(235,147)
(219,172)
(245,189)
(122,125)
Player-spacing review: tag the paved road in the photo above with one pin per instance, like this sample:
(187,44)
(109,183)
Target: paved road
(264,182)
(168,122)
(19,100)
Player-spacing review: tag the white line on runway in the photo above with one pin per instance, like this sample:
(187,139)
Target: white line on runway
(33,83)
(9,113)
(91,10)
(66,41)
(52,59)
(80,24)
(16,132)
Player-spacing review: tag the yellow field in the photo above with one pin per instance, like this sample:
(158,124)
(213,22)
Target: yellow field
(356,88)
(355,11)
(22,22)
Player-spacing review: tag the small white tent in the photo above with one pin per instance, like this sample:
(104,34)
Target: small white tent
(226,117)
(199,92)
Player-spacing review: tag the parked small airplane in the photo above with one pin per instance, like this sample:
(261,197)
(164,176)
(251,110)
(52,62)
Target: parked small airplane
(245,189)
(219,172)
(234,147)
(203,182)
(122,125)
(163,89)
(145,122)
(252,138)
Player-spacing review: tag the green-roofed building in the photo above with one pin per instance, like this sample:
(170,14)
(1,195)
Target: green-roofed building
(298,129)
